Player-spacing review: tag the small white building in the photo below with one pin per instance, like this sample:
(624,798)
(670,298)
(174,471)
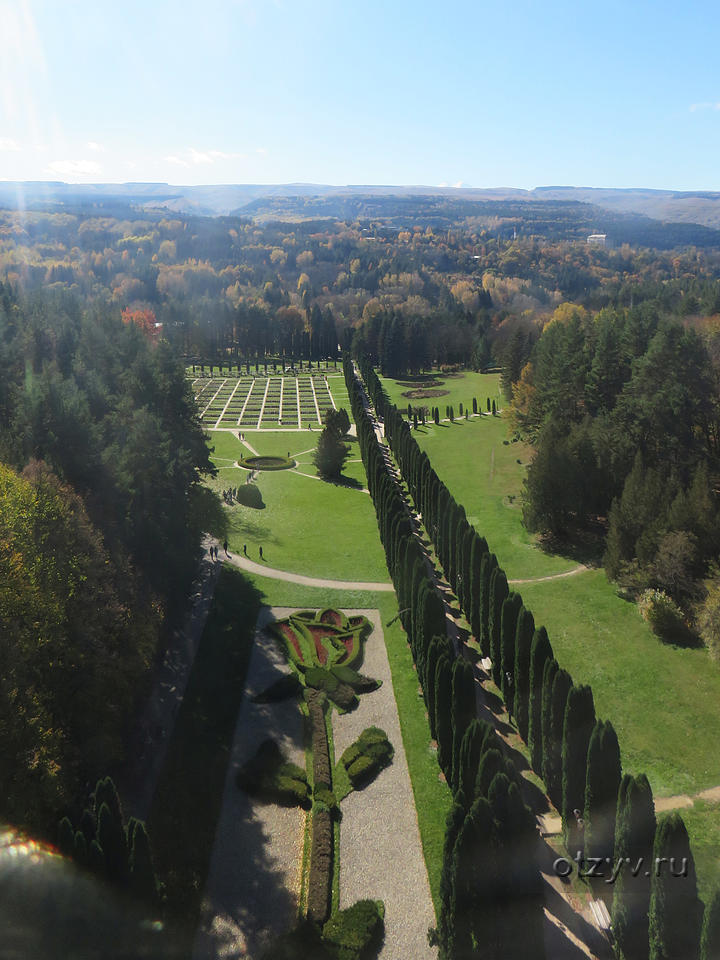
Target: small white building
(599,239)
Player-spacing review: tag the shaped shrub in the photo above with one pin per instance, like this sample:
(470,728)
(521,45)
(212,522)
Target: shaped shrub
(268,775)
(355,931)
(367,756)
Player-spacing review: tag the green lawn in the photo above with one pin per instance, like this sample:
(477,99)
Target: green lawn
(483,474)
(432,797)
(460,389)
(308,526)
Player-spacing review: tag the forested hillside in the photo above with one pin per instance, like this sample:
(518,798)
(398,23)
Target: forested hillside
(102,457)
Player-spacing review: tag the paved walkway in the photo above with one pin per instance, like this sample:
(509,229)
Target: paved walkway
(381,853)
(580,568)
(253,885)
(158,719)
(262,570)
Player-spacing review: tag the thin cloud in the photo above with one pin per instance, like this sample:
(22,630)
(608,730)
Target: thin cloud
(95,147)
(706,105)
(193,157)
(7,145)
(74,168)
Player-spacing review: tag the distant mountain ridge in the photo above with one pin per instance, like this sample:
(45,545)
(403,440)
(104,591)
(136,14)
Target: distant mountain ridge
(696,207)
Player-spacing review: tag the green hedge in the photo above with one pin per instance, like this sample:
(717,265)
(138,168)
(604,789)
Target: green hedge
(266,463)
(357,932)
(269,776)
(321,871)
(340,693)
(359,683)
(367,756)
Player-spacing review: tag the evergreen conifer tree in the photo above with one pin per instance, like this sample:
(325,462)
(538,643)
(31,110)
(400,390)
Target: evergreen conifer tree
(498,592)
(676,913)
(511,607)
(710,940)
(577,730)
(634,843)
(601,790)
(524,633)
(443,715)
(463,711)
(540,651)
(552,750)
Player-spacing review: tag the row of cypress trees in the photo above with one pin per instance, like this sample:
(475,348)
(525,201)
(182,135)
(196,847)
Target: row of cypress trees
(491,889)
(605,815)
(102,841)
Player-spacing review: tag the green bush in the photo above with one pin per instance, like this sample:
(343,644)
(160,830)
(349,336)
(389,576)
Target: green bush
(357,932)
(321,865)
(365,758)
(663,615)
(269,776)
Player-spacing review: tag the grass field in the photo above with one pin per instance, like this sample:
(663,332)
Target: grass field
(482,471)
(307,525)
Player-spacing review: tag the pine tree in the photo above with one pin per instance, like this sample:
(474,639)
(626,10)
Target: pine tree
(66,837)
(601,790)
(577,730)
(142,871)
(487,565)
(675,917)
(492,762)
(511,607)
(463,711)
(540,651)
(549,672)
(475,869)
(446,918)
(471,748)
(443,715)
(113,843)
(552,750)
(478,549)
(498,593)
(710,940)
(634,843)
(524,633)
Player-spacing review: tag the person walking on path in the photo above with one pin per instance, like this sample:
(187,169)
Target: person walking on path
(245,549)
(225,546)
(261,556)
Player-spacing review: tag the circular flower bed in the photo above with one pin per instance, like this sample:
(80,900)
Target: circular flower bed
(266,463)
(424,394)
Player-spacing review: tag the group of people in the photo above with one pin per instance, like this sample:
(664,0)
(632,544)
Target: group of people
(214,551)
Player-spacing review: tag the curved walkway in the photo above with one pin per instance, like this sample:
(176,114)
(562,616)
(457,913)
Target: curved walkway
(580,568)
(260,569)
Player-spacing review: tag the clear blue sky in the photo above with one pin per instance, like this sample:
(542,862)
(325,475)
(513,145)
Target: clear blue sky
(516,94)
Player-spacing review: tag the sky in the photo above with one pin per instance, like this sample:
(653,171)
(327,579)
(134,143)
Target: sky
(448,92)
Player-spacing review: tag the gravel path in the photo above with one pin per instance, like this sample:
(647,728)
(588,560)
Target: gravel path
(251,567)
(254,879)
(381,854)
